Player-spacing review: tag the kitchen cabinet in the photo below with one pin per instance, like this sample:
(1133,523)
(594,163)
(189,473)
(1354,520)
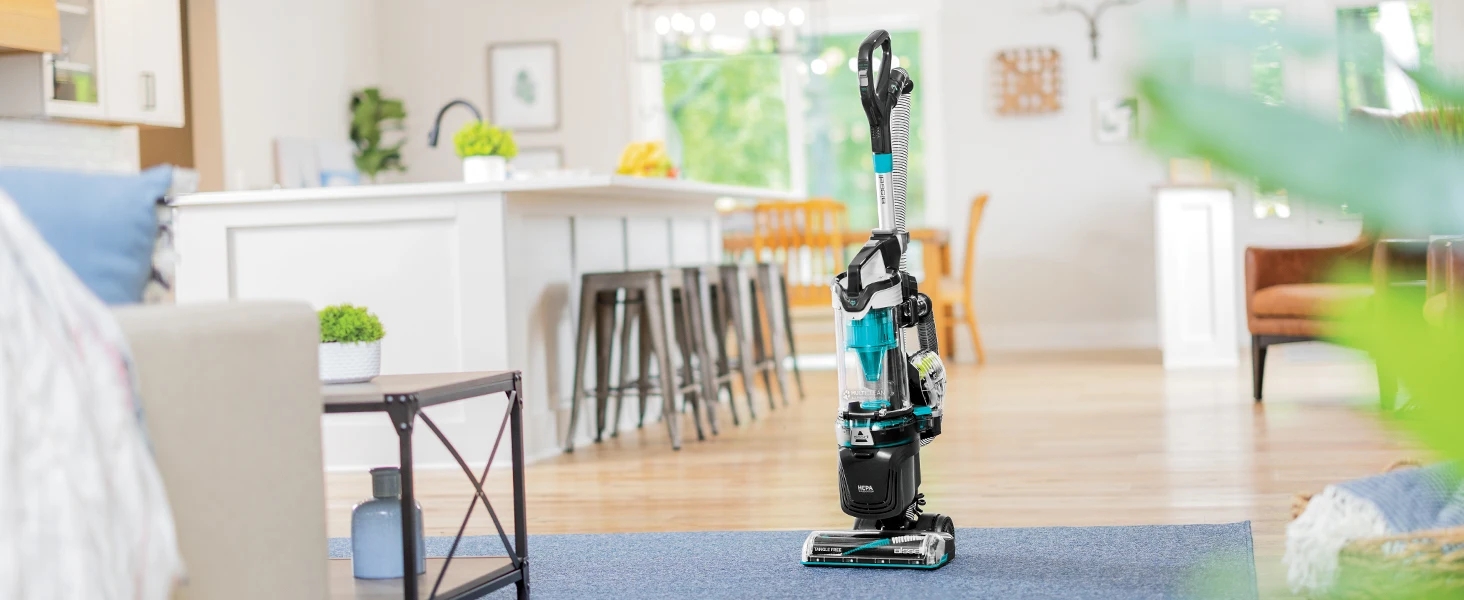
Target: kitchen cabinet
(1195,256)
(145,62)
(120,61)
(28,26)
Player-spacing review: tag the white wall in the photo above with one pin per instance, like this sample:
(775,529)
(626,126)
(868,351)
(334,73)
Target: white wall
(433,52)
(1066,252)
(1065,257)
(287,69)
(1449,35)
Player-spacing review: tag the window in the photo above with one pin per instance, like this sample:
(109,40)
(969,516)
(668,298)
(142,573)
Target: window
(1268,85)
(1397,29)
(1268,68)
(839,160)
(762,95)
(728,119)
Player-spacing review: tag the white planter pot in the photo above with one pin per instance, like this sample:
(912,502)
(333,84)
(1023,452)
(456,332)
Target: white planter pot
(350,363)
(478,169)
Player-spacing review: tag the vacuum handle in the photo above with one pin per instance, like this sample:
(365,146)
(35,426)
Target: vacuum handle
(874,92)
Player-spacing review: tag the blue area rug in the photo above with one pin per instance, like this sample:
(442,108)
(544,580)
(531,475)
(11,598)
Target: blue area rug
(1160,561)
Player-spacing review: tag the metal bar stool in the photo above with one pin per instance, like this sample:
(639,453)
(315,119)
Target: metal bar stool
(758,320)
(710,305)
(689,301)
(660,320)
(771,277)
(734,313)
(768,328)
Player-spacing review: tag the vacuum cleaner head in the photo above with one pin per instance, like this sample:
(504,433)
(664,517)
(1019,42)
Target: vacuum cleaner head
(872,548)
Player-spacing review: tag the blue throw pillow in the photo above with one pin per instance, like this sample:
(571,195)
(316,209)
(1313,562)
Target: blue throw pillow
(103,225)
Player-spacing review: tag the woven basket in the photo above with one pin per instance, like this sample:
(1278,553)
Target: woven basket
(1426,564)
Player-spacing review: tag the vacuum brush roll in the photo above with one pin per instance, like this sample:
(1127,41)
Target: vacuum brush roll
(914,549)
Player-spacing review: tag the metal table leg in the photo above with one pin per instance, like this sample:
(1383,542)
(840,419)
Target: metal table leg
(520,518)
(403,412)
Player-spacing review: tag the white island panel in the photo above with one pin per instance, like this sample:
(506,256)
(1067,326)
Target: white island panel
(464,277)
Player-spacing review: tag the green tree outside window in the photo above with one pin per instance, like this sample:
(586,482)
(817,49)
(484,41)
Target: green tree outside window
(729,121)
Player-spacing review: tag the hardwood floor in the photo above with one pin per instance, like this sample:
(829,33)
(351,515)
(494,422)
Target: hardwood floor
(1036,440)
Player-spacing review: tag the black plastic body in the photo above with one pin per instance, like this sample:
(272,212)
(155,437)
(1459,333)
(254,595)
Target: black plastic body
(879,483)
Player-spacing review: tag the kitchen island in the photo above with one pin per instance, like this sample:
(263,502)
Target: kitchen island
(465,277)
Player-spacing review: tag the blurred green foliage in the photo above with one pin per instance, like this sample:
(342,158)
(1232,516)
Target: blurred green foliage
(1268,60)
(478,138)
(729,118)
(371,116)
(345,323)
(1360,66)
(1445,125)
(1403,180)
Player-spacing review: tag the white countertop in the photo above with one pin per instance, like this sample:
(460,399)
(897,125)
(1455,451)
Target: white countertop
(589,185)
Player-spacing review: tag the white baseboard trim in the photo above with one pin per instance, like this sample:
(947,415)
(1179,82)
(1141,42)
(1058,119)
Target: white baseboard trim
(1314,352)
(1091,335)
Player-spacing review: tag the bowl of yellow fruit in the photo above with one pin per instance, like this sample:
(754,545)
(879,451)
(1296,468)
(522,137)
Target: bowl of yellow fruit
(646,159)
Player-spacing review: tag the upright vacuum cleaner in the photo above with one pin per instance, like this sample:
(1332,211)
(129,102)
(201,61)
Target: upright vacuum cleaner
(889,399)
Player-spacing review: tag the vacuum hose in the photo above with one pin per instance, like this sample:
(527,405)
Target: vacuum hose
(927,336)
(900,149)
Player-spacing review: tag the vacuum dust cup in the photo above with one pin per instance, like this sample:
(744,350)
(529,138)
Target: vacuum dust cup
(868,344)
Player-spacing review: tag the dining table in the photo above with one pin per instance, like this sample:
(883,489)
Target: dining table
(934,241)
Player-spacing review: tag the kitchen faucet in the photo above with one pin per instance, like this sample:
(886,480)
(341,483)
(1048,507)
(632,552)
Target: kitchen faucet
(437,123)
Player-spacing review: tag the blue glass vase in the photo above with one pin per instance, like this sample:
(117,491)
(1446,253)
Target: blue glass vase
(376,530)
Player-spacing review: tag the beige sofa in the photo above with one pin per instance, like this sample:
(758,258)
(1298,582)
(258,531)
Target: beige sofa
(232,401)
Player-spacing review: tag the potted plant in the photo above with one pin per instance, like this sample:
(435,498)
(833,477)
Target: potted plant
(350,344)
(485,151)
(371,116)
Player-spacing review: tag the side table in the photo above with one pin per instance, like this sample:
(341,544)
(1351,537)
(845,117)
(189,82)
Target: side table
(402,398)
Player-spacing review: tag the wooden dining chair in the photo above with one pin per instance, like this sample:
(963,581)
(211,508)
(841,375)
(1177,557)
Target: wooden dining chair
(963,293)
(806,239)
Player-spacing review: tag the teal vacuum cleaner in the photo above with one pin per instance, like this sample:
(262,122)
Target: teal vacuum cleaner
(889,396)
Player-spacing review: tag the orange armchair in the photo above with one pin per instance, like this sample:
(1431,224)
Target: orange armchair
(1288,298)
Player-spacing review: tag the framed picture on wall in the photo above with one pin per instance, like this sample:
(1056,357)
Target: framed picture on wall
(523,86)
(1115,120)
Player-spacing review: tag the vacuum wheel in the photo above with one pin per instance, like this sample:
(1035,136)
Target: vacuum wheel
(944,524)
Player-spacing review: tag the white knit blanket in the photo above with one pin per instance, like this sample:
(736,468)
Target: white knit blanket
(83,512)
(1397,502)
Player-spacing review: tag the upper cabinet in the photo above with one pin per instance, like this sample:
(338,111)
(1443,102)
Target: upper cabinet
(28,26)
(120,61)
(144,61)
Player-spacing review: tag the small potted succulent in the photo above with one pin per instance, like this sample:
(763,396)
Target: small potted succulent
(485,151)
(350,344)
